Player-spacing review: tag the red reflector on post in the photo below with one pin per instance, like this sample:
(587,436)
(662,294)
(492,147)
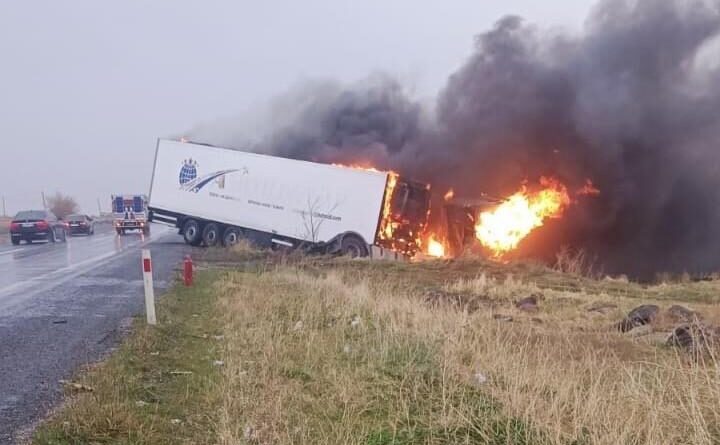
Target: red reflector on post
(146,265)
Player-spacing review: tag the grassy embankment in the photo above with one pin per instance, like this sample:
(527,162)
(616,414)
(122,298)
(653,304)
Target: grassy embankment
(338,351)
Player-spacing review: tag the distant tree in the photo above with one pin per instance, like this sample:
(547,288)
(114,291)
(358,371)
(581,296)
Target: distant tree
(62,205)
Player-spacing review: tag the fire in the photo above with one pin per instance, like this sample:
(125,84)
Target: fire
(449,195)
(386,223)
(369,168)
(502,228)
(435,248)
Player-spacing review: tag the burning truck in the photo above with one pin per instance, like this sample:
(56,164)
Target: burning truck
(215,195)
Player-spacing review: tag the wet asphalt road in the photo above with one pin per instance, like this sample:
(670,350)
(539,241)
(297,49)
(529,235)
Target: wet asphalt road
(63,306)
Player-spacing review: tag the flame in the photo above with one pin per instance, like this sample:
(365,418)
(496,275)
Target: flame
(365,167)
(387,225)
(449,195)
(502,228)
(435,248)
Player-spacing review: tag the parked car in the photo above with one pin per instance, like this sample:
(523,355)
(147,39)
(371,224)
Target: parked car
(80,224)
(37,225)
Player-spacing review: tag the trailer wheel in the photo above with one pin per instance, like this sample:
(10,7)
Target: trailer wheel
(211,234)
(354,247)
(231,236)
(191,232)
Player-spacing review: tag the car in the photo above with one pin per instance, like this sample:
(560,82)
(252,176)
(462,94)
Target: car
(80,224)
(37,225)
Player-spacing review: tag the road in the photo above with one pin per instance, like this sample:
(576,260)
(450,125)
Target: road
(64,305)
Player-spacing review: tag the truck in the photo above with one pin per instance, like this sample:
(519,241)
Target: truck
(130,212)
(218,196)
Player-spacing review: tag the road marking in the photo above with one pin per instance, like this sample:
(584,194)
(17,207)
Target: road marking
(11,251)
(61,276)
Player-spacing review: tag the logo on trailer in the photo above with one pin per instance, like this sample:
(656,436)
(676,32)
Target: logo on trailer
(188,171)
(191,182)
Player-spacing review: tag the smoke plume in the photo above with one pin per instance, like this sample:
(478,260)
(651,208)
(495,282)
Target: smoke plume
(632,103)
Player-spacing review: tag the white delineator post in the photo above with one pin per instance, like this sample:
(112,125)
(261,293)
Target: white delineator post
(149,292)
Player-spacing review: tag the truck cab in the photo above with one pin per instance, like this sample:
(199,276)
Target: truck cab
(130,212)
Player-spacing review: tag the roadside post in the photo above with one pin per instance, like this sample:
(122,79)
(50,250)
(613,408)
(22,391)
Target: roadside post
(149,292)
(188,271)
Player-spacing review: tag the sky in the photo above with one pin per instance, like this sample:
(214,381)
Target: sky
(87,87)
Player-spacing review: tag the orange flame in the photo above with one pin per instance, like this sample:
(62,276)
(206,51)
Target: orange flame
(449,195)
(435,248)
(502,228)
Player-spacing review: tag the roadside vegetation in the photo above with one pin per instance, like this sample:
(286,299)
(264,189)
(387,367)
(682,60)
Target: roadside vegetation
(62,205)
(325,351)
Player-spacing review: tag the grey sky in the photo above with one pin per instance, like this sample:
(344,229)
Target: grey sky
(86,87)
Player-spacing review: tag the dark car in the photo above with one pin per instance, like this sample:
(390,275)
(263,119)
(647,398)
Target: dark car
(80,224)
(37,225)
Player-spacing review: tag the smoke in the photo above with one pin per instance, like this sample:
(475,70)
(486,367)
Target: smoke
(632,103)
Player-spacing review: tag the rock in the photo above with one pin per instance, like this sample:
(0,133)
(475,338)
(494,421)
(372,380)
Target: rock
(501,317)
(529,304)
(602,308)
(694,337)
(644,314)
(639,316)
(640,331)
(355,322)
(298,326)
(218,363)
(679,313)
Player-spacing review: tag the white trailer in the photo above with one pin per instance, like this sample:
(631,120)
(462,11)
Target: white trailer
(217,195)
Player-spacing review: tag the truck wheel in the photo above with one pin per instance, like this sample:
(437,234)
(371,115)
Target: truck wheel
(353,247)
(211,234)
(191,232)
(231,236)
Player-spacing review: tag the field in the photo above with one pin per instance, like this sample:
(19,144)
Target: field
(272,350)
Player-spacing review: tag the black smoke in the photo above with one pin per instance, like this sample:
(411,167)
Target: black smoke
(632,102)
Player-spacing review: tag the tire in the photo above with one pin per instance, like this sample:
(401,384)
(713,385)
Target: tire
(15,242)
(192,233)
(354,247)
(51,236)
(211,234)
(231,236)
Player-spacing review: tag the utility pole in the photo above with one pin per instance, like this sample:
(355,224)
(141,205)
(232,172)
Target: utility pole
(44,203)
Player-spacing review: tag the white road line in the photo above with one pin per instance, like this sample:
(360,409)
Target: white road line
(11,251)
(58,276)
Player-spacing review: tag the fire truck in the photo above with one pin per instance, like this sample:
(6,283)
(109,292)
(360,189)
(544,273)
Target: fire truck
(130,212)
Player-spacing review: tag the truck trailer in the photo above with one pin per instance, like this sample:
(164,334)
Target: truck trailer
(216,195)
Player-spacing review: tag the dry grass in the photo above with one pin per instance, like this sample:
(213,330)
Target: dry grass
(301,374)
(334,351)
